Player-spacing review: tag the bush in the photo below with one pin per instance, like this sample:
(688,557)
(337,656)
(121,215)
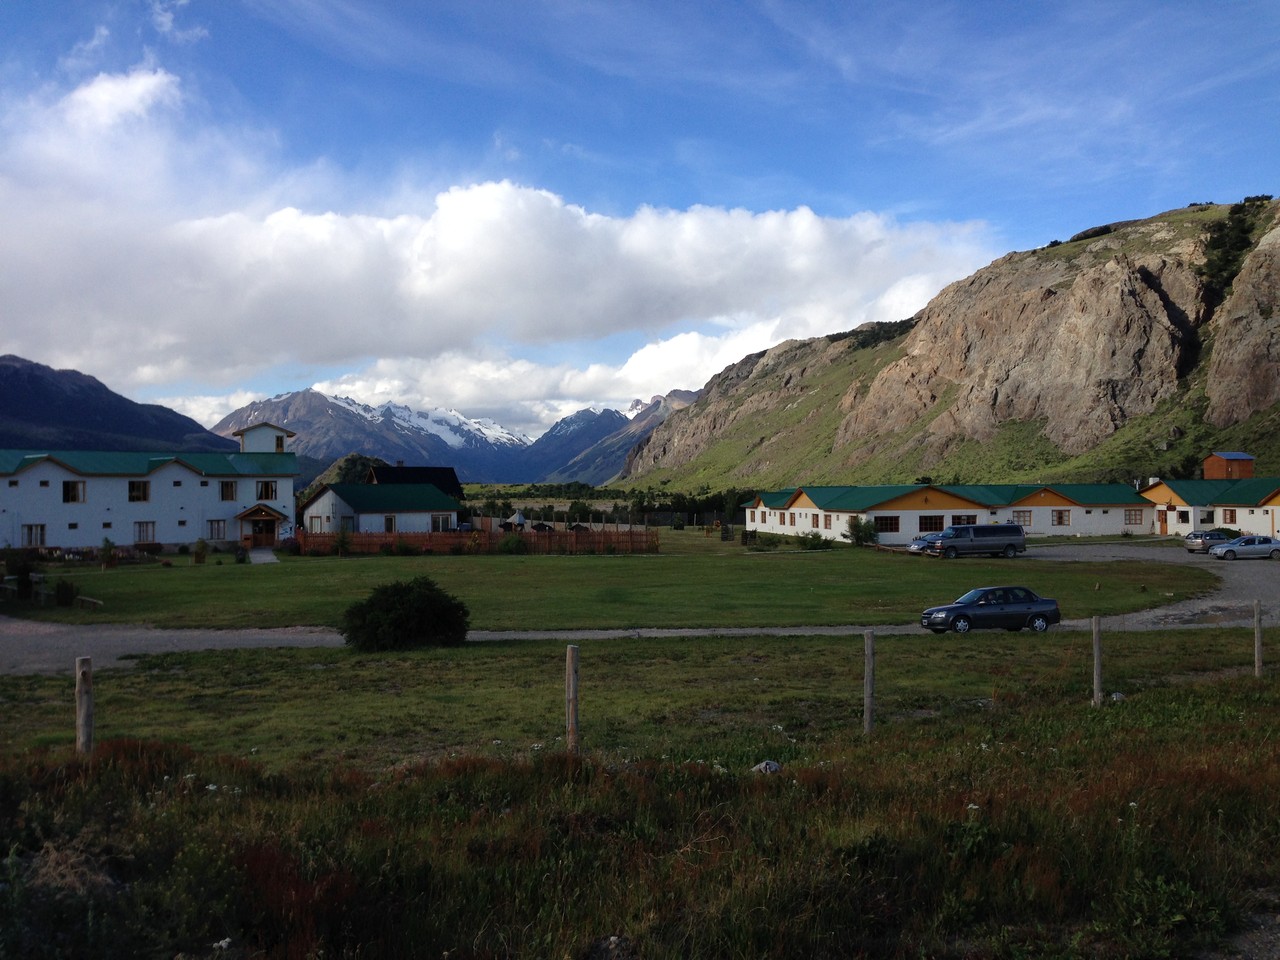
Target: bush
(861,532)
(512,543)
(65,593)
(290,547)
(406,614)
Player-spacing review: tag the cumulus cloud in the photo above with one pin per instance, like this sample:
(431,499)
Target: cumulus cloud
(121,263)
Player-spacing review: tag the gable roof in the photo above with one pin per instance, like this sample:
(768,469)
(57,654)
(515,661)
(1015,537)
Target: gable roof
(445,479)
(858,499)
(390,497)
(110,463)
(1246,492)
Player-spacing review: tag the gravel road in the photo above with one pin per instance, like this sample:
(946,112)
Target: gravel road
(28,647)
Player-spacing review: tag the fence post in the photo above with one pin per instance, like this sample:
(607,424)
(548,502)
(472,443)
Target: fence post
(571,699)
(868,681)
(84,704)
(1097,661)
(1257,638)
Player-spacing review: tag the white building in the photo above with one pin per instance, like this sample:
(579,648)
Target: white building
(902,512)
(380,508)
(75,499)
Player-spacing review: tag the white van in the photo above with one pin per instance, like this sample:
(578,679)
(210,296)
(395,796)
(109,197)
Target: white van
(993,539)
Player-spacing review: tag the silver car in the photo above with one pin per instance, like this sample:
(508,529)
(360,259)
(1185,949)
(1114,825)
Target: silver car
(1243,547)
(1199,541)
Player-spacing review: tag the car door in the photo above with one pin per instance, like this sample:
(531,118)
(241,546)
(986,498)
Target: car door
(1021,605)
(994,608)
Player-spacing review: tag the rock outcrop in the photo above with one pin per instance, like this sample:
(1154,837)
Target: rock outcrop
(1244,371)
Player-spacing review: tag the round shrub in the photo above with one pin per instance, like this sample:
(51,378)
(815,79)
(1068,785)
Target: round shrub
(404,614)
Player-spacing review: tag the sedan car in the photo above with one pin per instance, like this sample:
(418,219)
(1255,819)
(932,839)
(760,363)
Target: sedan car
(921,544)
(1199,541)
(1247,547)
(1010,608)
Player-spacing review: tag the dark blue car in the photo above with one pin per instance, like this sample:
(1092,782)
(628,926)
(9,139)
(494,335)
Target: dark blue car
(1008,608)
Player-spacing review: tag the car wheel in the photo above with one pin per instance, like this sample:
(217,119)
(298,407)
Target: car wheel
(1039,624)
(960,624)
(1275,554)
(1229,555)
(1010,552)
(950,553)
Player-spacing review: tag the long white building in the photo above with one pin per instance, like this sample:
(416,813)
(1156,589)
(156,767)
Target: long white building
(75,499)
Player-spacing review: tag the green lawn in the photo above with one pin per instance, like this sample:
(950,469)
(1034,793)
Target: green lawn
(695,582)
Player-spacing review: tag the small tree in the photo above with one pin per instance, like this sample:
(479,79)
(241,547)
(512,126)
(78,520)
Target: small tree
(861,531)
(405,614)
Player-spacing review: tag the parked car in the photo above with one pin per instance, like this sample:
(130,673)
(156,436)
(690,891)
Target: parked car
(1246,547)
(1010,608)
(921,543)
(993,539)
(1199,541)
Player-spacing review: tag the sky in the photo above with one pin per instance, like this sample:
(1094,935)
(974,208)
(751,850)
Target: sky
(520,209)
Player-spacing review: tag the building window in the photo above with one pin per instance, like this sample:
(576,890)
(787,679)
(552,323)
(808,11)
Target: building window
(1022,518)
(44,483)
(313,524)
(1133,516)
(887,524)
(107,525)
(204,483)
(73,526)
(389,523)
(177,483)
(826,521)
(1228,515)
(227,490)
(279,444)
(182,523)
(266,489)
(33,534)
(815,521)
(751,516)
(931,523)
(140,492)
(217,529)
(73,491)
(144,531)
(1060,518)
(440,522)
(13,483)
(1184,516)
(958,518)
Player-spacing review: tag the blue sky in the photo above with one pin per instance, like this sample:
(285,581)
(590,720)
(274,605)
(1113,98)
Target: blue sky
(521,209)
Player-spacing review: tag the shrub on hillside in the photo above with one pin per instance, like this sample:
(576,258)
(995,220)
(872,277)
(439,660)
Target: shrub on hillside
(405,614)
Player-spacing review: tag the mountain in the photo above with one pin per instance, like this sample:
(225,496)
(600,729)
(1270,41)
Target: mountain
(566,439)
(328,428)
(1131,350)
(46,409)
(608,457)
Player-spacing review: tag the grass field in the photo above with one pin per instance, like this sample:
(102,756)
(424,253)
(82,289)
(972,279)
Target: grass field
(695,582)
(309,803)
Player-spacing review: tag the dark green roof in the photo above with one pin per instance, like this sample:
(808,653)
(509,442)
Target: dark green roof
(393,497)
(106,463)
(856,499)
(1248,492)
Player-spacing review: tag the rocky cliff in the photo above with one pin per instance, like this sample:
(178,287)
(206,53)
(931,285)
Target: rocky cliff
(1063,352)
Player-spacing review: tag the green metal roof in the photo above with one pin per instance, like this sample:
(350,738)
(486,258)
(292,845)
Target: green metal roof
(393,497)
(1200,493)
(109,463)
(855,499)
(1100,494)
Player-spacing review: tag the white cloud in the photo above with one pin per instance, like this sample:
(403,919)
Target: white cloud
(158,258)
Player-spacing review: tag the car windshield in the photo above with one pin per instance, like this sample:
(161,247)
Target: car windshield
(971,597)
(947,534)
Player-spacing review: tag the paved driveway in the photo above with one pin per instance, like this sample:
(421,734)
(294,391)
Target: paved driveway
(28,647)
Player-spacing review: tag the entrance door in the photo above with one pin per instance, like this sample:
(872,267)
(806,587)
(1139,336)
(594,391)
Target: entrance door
(264,533)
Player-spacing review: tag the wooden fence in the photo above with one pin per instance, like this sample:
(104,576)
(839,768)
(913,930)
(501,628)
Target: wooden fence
(603,541)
